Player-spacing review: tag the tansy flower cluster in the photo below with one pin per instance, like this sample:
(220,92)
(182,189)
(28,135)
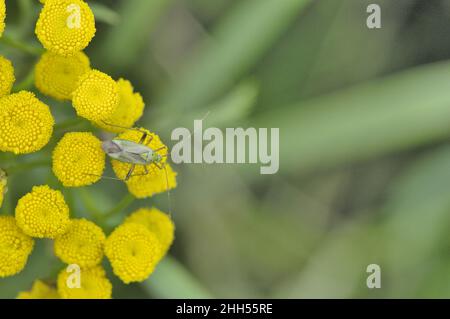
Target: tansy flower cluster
(2,16)
(63,72)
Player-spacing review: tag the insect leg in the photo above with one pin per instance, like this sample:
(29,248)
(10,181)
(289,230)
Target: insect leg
(124,127)
(143,174)
(106,177)
(144,137)
(144,133)
(169,201)
(161,148)
(130,172)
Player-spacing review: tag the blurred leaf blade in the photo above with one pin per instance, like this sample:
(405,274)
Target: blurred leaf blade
(386,115)
(172,280)
(417,216)
(123,42)
(104,14)
(235,106)
(238,43)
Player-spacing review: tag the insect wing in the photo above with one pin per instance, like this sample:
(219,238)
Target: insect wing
(133,152)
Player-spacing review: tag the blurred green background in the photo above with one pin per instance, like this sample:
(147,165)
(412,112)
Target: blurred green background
(364,118)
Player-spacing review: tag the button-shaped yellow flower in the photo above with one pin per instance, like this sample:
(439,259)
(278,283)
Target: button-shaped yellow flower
(43,213)
(65,26)
(146,185)
(151,179)
(57,76)
(129,111)
(96,97)
(158,223)
(3,185)
(82,244)
(26,123)
(93,285)
(78,159)
(40,290)
(42,1)
(7,77)
(133,252)
(15,247)
(2,16)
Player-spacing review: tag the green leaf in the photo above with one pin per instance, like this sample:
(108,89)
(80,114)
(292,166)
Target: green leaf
(235,106)
(417,216)
(172,280)
(232,109)
(406,238)
(387,115)
(124,41)
(104,14)
(237,44)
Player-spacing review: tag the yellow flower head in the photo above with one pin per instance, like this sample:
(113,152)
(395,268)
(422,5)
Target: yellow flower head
(15,247)
(6,75)
(3,185)
(26,123)
(96,97)
(133,252)
(82,244)
(150,179)
(158,223)
(78,159)
(42,1)
(43,213)
(40,290)
(93,285)
(130,109)
(65,26)
(2,16)
(57,76)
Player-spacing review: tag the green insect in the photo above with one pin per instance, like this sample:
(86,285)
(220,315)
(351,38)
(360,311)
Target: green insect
(134,153)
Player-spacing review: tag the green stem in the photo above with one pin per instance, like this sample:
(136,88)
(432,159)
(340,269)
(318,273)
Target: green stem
(19,45)
(7,200)
(27,166)
(68,124)
(68,195)
(26,16)
(126,201)
(89,203)
(26,83)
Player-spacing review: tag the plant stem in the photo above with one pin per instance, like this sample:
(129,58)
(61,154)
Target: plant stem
(7,201)
(19,45)
(126,201)
(89,203)
(27,166)
(26,83)
(68,124)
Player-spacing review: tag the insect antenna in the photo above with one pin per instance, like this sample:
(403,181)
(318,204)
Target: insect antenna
(106,177)
(169,202)
(123,127)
